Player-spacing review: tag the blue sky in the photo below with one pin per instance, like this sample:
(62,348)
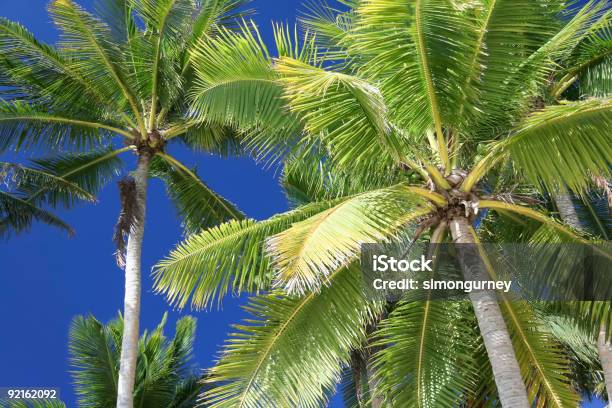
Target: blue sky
(48,278)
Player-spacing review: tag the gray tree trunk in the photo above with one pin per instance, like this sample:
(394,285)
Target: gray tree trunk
(567,211)
(510,385)
(131,313)
(605,355)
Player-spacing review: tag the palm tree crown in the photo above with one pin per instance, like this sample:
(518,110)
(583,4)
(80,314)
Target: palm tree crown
(425,113)
(117,82)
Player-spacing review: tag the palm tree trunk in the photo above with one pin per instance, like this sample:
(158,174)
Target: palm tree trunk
(131,314)
(567,211)
(568,214)
(510,386)
(605,356)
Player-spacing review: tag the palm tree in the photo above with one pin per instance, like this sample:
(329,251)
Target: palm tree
(165,376)
(425,106)
(121,77)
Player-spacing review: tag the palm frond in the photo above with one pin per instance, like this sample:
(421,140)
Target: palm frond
(426,347)
(544,365)
(508,32)
(198,205)
(589,63)
(215,14)
(564,145)
(509,89)
(23,126)
(285,335)
(164,375)
(93,349)
(229,257)
(587,375)
(28,179)
(235,83)
(421,49)
(305,254)
(309,177)
(119,16)
(212,138)
(347,113)
(17,215)
(86,41)
(90,172)
(39,72)
(330,26)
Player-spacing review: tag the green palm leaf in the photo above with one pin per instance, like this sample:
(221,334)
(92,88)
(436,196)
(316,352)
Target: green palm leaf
(89,171)
(426,347)
(86,41)
(347,113)
(16,215)
(164,375)
(235,83)
(24,126)
(285,336)
(45,74)
(564,145)
(33,179)
(305,254)
(198,206)
(228,257)
(544,366)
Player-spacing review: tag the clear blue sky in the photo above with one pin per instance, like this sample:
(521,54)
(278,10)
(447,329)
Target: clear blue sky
(46,278)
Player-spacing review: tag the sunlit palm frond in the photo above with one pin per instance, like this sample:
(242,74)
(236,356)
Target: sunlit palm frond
(40,73)
(119,16)
(235,83)
(508,32)
(421,49)
(229,257)
(214,15)
(512,93)
(285,335)
(305,254)
(564,145)
(330,26)
(347,113)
